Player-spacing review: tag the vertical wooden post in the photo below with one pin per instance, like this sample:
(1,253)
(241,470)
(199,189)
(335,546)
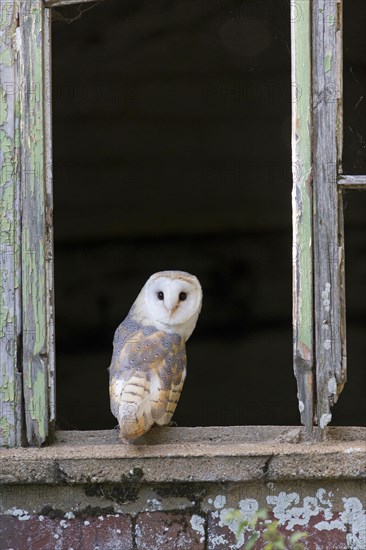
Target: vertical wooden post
(10,279)
(37,290)
(330,343)
(303,319)
(50,292)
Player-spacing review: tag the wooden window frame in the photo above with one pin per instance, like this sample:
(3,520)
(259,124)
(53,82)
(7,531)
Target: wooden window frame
(27,352)
(319,311)
(27,402)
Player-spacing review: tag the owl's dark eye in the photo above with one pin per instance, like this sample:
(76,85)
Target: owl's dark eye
(182,296)
(160,295)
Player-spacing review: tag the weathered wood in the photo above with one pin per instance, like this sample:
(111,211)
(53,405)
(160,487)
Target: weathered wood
(35,239)
(50,293)
(10,313)
(330,350)
(352,182)
(58,3)
(302,210)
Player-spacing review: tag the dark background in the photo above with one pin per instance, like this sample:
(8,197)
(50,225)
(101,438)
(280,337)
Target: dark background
(172,151)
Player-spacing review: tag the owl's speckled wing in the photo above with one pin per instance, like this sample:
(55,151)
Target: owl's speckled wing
(146,377)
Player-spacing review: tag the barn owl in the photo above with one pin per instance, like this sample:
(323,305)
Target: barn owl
(148,364)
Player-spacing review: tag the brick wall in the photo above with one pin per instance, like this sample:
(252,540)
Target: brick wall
(148,531)
(183,515)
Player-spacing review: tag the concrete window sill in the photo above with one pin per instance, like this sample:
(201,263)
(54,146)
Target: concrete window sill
(210,454)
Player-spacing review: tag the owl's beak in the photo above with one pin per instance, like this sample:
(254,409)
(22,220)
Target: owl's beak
(172,310)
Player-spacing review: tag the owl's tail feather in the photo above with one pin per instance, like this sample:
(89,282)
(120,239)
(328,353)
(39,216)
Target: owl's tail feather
(142,406)
(134,410)
(132,429)
(127,435)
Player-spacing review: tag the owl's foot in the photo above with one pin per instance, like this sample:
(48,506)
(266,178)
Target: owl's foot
(173,424)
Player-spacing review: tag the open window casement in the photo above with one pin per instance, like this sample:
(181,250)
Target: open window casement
(318,254)
(27,404)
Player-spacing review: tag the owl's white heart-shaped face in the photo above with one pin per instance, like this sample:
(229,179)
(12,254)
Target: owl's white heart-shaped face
(173,297)
(170,301)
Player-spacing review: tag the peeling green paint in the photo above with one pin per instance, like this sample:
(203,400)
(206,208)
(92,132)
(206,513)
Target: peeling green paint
(38,404)
(305,334)
(5,229)
(6,143)
(302,213)
(328,63)
(6,58)
(6,208)
(34,241)
(4,316)
(4,428)
(7,165)
(34,289)
(304,224)
(8,390)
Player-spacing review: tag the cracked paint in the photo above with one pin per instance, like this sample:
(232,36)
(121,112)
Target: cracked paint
(10,395)
(36,279)
(7,389)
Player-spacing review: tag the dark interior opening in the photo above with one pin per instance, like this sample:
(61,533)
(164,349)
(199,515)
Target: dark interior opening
(354,80)
(172,151)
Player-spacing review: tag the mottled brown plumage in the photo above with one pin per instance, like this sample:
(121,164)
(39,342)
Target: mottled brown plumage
(146,381)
